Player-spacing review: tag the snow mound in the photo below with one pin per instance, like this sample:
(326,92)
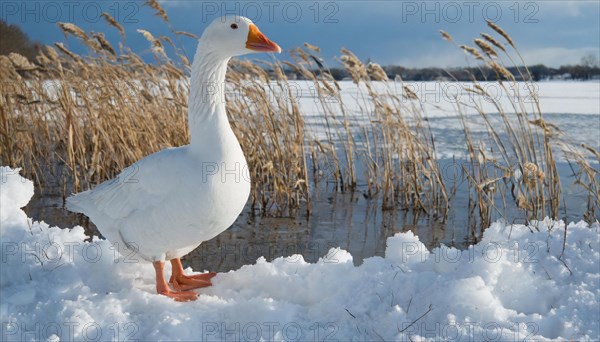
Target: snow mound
(510,286)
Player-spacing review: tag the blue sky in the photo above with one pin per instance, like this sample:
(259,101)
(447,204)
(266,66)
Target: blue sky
(389,32)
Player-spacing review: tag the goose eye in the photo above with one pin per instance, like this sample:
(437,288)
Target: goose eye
(234,26)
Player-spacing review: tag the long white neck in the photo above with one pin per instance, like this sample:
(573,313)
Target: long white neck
(207,117)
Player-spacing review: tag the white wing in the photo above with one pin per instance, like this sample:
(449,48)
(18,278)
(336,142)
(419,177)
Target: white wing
(132,190)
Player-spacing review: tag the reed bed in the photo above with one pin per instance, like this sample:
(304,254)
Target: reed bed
(72,121)
(516,164)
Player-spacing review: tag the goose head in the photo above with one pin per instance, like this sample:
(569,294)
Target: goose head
(236,36)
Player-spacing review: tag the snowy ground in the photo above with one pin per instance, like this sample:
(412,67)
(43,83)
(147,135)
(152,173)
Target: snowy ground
(572,106)
(509,287)
(440,98)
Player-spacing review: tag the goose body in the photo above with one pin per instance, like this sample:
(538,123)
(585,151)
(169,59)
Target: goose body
(166,204)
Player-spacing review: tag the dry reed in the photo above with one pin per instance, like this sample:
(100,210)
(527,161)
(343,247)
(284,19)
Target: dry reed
(521,146)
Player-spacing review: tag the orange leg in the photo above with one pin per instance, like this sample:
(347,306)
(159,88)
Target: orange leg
(163,289)
(183,282)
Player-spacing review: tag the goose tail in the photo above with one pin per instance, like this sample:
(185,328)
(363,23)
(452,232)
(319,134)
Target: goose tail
(77,202)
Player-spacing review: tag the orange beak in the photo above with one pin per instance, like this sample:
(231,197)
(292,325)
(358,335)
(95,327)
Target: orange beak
(258,42)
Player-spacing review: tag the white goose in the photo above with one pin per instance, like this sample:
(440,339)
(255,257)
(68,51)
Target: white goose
(165,205)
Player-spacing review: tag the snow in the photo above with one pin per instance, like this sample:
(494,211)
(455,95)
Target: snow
(572,106)
(58,285)
(441,98)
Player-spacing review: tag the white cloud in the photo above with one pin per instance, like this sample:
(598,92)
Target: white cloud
(556,56)
(444,58)
(571,8)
